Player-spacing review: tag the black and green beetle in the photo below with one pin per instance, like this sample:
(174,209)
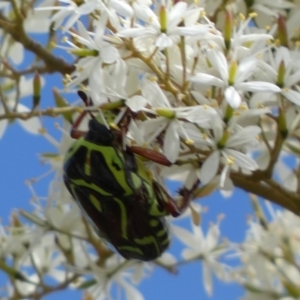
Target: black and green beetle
(116,192)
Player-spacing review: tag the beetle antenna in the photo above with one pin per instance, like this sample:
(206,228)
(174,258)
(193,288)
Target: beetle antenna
(86,100)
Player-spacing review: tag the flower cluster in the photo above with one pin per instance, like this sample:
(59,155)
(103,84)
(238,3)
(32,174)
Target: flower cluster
(270,256)
(200,94)
(213,88)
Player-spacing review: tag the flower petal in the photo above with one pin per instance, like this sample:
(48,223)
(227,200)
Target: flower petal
(210,167)
(163,41)
(219,62)
(291,95)
(258,86)
(232,97)
(242,160)
(136,103)
(191,30)
(185,236)
(32,125)
(207,79)
(109,54)
(176,14)
(3,125)
(243,137)
(122,8)
(207,277)
(171,142)
(137,32)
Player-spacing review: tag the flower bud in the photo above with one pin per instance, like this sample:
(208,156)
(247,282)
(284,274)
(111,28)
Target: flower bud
(164,112)
(85,52)
(232,72)
(282,34)
(163,18)
(281,73)
(228,28)
(113,105)
(282,123)
(36,90)
(62,102)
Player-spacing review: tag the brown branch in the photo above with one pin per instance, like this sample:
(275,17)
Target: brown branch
(269,190)
(53,63)
(46,290)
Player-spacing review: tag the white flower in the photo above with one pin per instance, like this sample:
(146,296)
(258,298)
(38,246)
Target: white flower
(270,256)
(26,288)
(74,12)
(71,11)
(286,174)
(47,260)
(91,67)
(16,241)
(173,126)
(41,17)
(163,36)
(207,248)
(268,10)
(13,50)
(289,87)
(115,272)
(232,153)
(234,77)
(58,193)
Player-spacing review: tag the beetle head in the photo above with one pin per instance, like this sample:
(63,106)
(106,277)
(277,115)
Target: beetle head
(99,133)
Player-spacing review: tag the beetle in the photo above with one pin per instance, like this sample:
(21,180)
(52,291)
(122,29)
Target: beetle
(116,192)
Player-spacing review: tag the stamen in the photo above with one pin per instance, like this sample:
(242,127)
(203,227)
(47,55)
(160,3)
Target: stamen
(50,139)
(62,130)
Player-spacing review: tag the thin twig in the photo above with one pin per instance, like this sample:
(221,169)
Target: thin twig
(50,112)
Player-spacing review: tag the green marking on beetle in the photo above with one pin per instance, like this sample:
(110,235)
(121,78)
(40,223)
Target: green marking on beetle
(73,149)
(142,170)
(94,187)
(148,240)
(137,182)
(155,211)
(87,163)
(114,160)
(131,249)
(123,218)
(95,202)
(165,242)
(154,223)
(161,233)
(116,163)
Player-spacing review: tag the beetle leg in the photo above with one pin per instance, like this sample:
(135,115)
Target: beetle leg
(75,132)
(151,155)
(187,195)
(172,206)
